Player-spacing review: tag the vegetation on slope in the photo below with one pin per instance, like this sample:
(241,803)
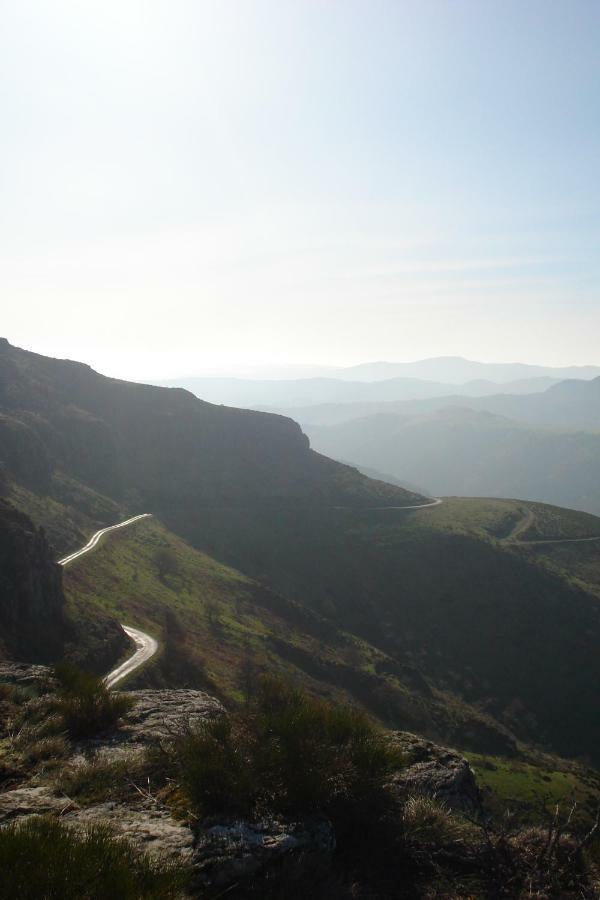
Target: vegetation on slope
(221,630)
(441,590)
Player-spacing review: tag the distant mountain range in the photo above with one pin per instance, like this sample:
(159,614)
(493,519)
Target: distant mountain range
(543,446)
(447,369)
(290,394)
(472,453)
(566,404)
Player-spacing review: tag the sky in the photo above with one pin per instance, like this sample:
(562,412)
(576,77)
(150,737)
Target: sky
(189,185)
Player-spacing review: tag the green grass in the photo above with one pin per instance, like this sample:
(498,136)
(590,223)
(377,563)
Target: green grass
(69,512)
(221,617)
(220,631)
(528,788)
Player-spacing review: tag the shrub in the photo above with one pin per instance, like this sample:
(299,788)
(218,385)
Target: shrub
(43,858)
(426,821)
(216,768)
(52,747)
(85,705)
(287,753)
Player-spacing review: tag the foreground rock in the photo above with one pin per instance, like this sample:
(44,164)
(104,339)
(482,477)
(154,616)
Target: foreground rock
(157,715)
(436,772)
(25,675)
(226,853)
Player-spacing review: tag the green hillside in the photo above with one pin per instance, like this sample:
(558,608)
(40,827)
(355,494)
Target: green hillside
(450,594)
(220,629)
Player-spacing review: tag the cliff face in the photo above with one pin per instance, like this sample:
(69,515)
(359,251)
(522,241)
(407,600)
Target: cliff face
(31,597)
(162,446)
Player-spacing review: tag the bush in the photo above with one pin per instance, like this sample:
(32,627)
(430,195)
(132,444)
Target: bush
(85,705)
(42,859)
(427,821)
(287,753)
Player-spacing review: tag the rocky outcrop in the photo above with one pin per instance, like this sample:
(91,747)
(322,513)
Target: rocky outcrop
(25,675)
(162,714)
(32,623)
(436,772)
(221,852)
(225,853)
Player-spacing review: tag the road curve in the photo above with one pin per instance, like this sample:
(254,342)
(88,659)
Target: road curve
(96,537)
(435,501)
(146,648)
(145,644)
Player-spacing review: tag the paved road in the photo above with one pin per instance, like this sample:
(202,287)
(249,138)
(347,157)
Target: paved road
(146,645)
(435,501)
(96,537)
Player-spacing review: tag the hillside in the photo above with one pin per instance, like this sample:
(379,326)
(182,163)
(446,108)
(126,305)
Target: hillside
(472,453)
(442,590)
(438,591)
(220,630)
(65,429)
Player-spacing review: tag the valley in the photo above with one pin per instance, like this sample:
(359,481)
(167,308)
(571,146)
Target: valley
(471,622)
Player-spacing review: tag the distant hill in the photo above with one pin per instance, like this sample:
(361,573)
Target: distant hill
(446,369)
(472,453)
(567,404)
(293,393)
(456,370)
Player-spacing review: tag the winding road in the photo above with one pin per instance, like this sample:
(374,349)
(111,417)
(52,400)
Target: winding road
(96,537)
(146,645)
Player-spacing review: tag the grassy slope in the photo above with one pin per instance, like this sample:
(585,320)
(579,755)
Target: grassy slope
(530,788)
(443,590)
(235,628)
(231,628)
(230,623)
(69,512)
(226,616)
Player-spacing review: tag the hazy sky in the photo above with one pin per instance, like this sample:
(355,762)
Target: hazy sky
(186,183)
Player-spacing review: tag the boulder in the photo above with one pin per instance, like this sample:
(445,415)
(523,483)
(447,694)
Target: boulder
(436,772)
(227,852)
(157,715)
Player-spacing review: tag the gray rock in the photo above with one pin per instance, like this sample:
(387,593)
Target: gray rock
(24,674)
(227,852)
(435,772)
(30,801)
(157,715)
(150,827)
